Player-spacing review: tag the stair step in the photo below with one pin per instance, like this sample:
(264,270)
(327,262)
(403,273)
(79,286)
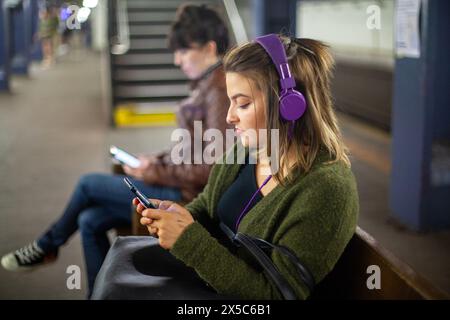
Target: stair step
(130,100)
(161,6)
(151,16)
(159,10)
(149,91)
(149,74)
(149,82)
(154,4)
(147,86)
(158,29)
(144,59)
(148,36)
(149,23)
(137,44)
(145,67)
(149,50)
(162,106)
(160,113)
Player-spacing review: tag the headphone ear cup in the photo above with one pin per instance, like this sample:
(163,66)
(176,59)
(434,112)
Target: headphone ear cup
(292,105)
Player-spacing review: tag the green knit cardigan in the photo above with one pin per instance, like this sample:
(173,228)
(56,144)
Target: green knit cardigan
(315,217)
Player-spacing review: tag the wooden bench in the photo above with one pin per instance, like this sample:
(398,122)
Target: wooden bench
(348,280)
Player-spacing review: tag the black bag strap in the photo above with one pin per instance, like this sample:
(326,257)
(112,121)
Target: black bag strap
(302,270)
(271,270)
(258,247)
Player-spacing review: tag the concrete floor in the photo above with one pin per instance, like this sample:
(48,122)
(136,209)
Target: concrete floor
(53,129)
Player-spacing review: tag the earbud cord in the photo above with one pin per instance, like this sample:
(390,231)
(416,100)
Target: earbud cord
(291,130)
(250,201)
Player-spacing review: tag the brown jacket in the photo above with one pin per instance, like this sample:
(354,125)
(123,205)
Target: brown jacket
(208,103)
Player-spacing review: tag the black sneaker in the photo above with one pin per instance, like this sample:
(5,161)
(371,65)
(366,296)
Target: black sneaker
(27,258)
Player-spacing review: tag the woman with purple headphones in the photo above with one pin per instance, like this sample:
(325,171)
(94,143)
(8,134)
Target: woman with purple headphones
(308,206)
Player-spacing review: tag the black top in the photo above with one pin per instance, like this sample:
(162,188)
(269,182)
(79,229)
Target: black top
(236,197)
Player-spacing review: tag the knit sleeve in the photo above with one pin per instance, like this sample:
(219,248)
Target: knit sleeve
(325,222)
(224,271)
(199,206)
(319,223)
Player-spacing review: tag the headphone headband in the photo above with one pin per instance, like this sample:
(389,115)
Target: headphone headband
(292,104)
(274,48)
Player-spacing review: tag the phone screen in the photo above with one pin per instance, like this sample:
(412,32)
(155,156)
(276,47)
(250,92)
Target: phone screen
(125,157)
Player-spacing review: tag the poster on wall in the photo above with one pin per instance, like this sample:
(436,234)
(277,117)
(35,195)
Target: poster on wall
(407,37)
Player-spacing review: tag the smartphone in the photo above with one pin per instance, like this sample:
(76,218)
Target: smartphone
(141,197)
(124,157)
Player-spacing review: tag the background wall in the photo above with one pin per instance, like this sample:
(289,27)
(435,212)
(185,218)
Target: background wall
(342,24)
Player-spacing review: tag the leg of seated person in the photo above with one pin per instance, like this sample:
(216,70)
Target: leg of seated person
(93,190)
(104,190)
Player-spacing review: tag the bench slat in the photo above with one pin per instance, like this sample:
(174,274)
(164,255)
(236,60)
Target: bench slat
(348,280)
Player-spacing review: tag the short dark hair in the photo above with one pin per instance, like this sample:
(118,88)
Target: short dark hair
(197,24)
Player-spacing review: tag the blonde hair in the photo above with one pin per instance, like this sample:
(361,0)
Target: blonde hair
(311,65)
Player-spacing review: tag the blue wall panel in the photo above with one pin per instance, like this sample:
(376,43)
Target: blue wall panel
(4,48)
(21,29)
(420,117)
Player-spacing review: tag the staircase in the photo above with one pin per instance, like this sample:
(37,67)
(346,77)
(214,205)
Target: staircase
(145,84)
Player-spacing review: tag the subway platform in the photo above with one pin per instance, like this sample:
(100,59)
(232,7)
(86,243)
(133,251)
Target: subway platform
(54,128)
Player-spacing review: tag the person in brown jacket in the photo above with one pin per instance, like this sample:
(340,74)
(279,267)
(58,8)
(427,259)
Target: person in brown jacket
(100,202)
(207,103)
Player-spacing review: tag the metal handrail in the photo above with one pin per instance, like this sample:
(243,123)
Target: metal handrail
(236,21)
(121,42)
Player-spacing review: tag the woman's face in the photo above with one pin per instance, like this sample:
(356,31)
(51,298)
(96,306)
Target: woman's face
(195,60)
(247,108)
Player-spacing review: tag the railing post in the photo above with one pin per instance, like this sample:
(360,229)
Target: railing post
(36,49)
(4,47)
(20,25)
(274,16)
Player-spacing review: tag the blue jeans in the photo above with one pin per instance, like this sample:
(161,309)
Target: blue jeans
(99,203)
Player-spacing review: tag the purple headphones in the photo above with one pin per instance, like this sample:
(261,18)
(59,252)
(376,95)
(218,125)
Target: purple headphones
(292,103)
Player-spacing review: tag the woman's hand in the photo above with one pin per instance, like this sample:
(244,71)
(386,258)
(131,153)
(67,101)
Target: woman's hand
(167,222)
(139,209)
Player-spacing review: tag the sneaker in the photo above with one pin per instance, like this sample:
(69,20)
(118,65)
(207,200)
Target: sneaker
(27,258)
